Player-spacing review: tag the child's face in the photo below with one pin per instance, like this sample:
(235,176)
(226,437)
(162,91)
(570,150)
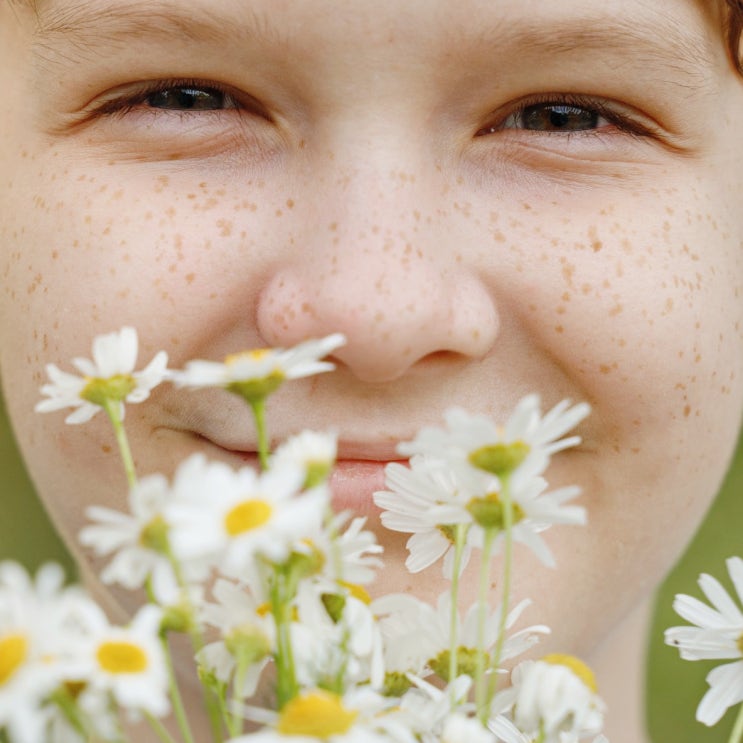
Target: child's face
(487,198)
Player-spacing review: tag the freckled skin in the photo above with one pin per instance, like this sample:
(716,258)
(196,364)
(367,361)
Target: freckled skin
(463,269)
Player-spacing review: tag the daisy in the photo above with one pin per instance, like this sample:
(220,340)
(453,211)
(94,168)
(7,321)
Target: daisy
(555,697)
(358,716)
(109,379)
(127,662)
(229,516)
(256,373)
(417,635)
(520,449)
(336,636)
(429,500)
(247,631)
(37,640)
(140,540)
(313,452)
(717,635)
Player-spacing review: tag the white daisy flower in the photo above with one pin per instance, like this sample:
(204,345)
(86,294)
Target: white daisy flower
(359,716)
(109,378)
(140,540)
(231,516)
(426,499)
(506,732)
(521,448)
(336,634)
(417,635)
(429,500)
(310,451)
(718,635)
(38,635)
(127,662)
(256,373)
(459,728)
(247,632)
(555,696)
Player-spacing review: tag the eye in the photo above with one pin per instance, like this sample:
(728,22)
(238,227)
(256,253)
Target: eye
(190,98)
(555,117)
(565,114)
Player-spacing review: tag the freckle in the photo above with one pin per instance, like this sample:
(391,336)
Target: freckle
(191,196)
(499,236)
(604,368)
(105,448)
(566,297)
(190,277)
(333,226)
(616,310)
(290,203)
(559,329)
(279,212)
(225,227)
(55,254)
(687,411)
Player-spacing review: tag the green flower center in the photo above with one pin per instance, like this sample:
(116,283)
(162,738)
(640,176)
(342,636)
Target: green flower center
(99,391)
(466,662)
(154,535)
(500,459)
(489,512)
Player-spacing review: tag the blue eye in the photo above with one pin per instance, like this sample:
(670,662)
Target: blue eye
(187,98)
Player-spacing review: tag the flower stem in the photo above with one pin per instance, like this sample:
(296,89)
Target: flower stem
(113,410)
(460,534)
(159,728)
(258,406)
(507,570)
(175,696)
(481,701)
(286,681)
(737,735)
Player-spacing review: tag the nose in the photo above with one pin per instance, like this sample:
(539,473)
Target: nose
(400,292)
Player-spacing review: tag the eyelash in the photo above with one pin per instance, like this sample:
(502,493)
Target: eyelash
(239,103)
(604,109)
(128,103)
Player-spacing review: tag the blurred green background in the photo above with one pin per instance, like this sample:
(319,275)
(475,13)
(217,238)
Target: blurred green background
(674,686)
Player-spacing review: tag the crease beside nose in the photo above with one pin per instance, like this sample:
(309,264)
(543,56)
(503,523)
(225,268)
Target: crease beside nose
(393,317)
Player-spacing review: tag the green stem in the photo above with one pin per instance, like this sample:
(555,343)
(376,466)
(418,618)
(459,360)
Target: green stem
(482,613)
(259,415)
(112,409)
(197,643)
(286,681)
(159,728)
(460,534)
(507,571)
(235,720)
(737,735)
(175,696)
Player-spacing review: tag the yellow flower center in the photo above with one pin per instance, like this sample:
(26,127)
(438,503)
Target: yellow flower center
(577,666)
(254,354)
(357,591)
(246,516)
(13,652)
(121,657)
(99,390)
(319,714)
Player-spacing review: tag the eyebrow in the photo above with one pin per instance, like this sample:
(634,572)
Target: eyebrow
(669,46)
(85,27)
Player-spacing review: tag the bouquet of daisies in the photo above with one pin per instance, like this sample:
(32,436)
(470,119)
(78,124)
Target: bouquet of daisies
(268,584)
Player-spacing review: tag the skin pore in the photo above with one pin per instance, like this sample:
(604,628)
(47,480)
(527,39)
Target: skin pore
(484,208)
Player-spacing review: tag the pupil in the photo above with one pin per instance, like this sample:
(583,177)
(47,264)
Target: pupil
(560,118)
(187,99)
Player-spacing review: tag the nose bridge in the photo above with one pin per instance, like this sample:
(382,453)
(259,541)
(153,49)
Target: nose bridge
(375,263)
